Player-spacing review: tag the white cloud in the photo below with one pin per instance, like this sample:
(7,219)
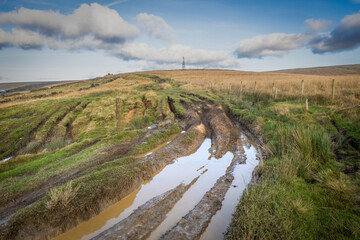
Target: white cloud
(97,27)
(174,53)
(276,44)
(93,20)
(155,26)
(317,25)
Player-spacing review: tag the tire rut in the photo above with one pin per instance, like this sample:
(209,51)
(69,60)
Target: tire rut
(147,217)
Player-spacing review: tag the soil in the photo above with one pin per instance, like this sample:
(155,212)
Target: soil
(147,217)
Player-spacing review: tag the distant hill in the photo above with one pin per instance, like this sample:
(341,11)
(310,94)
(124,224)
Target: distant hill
(27,86)
(325,71)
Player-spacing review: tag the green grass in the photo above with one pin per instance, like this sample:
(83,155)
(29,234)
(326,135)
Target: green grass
(309,184)
(157,139)
(304,192)
(77,137)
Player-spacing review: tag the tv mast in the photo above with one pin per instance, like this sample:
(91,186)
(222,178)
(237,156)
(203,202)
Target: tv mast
(183,64)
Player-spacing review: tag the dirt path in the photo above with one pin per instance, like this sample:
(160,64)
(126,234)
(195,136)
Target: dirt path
(207,121)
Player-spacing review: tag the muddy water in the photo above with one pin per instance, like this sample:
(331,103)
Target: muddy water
(183,170)
(242,176)
(5,160)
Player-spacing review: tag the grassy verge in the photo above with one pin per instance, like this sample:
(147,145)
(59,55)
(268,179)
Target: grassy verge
(306,189)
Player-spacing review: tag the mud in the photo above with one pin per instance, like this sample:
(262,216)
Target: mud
(193,224)
(148,216)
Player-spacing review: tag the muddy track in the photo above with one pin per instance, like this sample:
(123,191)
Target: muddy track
(147,217)
(193,224)
(34,195)
(206,121)
(34,130)
(69,128)
(58,120)
(26,199)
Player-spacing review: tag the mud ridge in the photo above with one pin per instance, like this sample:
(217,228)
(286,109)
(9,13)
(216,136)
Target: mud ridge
(58,120)
(193,224)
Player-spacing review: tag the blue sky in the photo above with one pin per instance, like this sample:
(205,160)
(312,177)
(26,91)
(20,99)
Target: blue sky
(61,40)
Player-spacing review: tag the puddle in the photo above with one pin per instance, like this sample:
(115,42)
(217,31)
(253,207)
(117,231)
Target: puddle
(100,220)
(214,169)
(183,170)
(242,176)
(5,160)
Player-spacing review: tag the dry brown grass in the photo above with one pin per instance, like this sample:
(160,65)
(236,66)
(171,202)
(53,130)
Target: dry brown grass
(347,87)
(61,196)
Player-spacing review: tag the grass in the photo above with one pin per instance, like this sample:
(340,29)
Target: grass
(72,141)
(61,196)
(310,181)
(316,87)
(304,191)
(157,139)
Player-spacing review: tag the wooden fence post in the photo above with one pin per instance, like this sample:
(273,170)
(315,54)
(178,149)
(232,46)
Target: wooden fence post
(275,93)
(273,89)
(306,105)
(241,89)
(302,88)
(333,89)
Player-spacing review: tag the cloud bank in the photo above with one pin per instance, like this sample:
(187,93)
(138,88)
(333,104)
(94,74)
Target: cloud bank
(97,27)
(346,36)
(95,21)
(172,54)
(276,44)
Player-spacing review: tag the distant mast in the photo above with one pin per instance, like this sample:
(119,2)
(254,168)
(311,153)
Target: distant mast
(183,64)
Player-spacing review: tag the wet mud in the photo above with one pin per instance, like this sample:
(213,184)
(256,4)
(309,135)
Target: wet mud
(148,216)
(186,211)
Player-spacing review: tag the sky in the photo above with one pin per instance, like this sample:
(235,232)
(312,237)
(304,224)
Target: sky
(70,40)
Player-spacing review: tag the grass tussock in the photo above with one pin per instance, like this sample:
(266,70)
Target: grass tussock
(61,196)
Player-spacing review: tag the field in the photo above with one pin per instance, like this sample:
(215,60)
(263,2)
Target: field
(78,147)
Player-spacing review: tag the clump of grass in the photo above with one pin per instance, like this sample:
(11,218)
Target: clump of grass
(55,143)
(61,196)
(157,139)
(140,122)
(189,137)
(31,147)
